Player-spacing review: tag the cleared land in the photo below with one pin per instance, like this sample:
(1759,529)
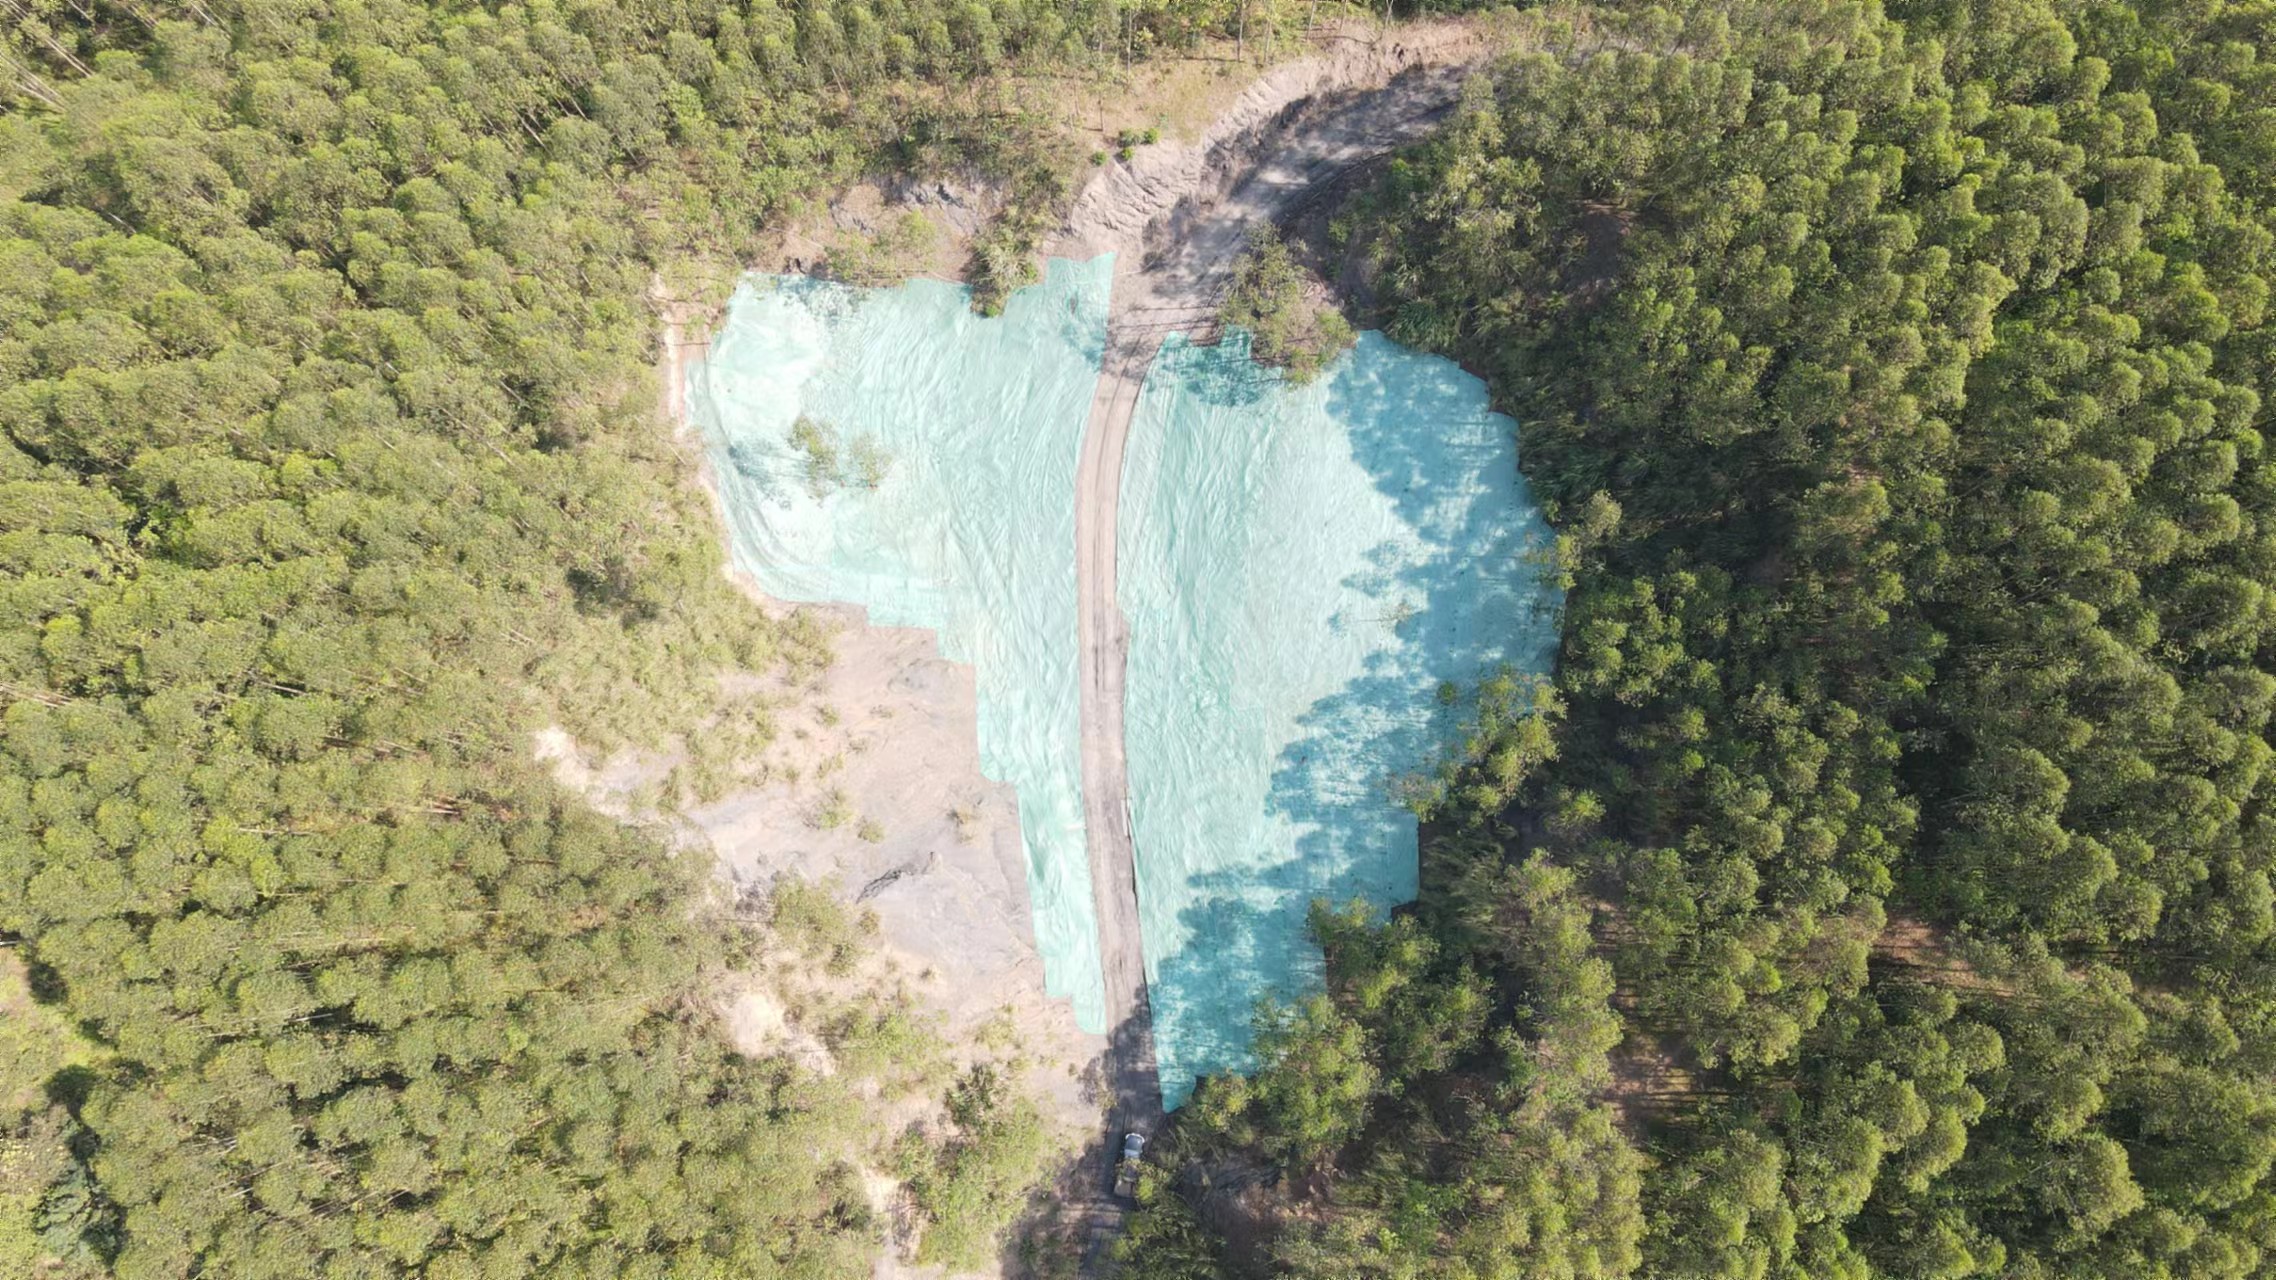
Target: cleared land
(1176,218)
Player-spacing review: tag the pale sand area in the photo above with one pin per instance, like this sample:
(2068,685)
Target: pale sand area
(945,872)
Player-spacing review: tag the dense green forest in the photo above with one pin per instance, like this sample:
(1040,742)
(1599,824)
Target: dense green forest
(1882,888)
(329,470)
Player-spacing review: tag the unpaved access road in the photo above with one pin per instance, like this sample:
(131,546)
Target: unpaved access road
(1176,219)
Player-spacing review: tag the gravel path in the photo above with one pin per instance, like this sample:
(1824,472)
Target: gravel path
(1176,218)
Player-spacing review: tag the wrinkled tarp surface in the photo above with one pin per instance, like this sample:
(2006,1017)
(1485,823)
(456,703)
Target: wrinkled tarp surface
(971,532)
(1301,566)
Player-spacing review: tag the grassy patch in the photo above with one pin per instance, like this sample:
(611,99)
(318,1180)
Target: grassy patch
(836,810)
(889,1041)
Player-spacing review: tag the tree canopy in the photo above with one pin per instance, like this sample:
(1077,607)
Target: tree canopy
(1880,888)
(329,471)
(1883,887)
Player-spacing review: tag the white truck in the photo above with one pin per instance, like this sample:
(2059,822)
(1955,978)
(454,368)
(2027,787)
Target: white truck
(1126,1169)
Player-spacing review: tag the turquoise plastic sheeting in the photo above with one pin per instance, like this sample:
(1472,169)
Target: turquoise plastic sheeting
(971,533)
(1301,568)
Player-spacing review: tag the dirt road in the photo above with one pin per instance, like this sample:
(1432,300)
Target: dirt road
(1176,218)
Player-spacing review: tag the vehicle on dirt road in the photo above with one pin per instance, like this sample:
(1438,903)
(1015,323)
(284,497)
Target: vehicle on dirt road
(1126,1169)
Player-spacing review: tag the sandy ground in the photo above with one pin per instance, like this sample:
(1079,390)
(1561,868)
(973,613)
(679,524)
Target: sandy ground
(942,867)
(1176,217)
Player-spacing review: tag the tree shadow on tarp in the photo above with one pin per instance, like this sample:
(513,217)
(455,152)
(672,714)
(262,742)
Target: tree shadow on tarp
(1245,942)
(762,466)
(1082,328)
(1466,599)
(1460,602)
(830,299)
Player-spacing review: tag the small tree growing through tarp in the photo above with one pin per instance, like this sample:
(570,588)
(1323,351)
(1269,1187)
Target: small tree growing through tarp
(831,463)
(1288,326)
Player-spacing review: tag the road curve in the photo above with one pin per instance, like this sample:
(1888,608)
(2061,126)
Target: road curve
(1176,222)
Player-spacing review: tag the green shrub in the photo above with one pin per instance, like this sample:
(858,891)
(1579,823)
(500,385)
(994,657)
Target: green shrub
(818,926)
(835,811)
(972,1186)
(1286,326)
(818,441)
